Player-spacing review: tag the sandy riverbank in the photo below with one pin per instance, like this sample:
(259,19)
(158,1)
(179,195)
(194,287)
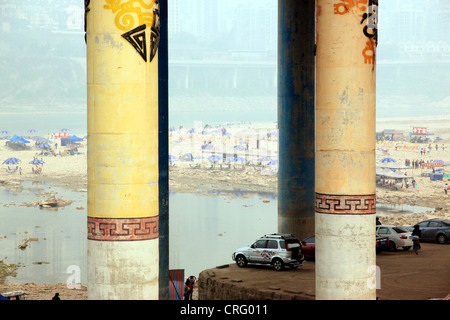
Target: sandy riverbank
(70,171)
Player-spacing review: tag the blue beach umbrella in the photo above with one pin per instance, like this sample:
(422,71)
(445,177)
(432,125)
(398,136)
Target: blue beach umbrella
(387,160)
(11,161)
(239,159)
(35,161)
(19,139)
(74,138)
(214,158)
(264,159)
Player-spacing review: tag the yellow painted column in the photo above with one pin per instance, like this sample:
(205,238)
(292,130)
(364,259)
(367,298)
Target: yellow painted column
(122,83)
(345,149)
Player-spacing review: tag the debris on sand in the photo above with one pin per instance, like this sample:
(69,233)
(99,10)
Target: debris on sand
(53,202)
(24,245)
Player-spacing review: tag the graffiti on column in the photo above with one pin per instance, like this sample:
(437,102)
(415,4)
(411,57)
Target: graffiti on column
(368,11)
(86,10)
(134,17)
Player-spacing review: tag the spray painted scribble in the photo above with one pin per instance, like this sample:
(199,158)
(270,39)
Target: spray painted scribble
(134,16)
(368,10)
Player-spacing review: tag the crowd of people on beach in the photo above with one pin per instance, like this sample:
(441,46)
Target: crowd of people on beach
(417,164)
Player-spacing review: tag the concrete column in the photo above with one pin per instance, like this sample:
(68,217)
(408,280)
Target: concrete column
(123,195)
(296,90)
(345,150)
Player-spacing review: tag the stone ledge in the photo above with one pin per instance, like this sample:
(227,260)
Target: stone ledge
(229,282)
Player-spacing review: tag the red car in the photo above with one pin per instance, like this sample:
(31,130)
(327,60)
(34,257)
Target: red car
(309,247)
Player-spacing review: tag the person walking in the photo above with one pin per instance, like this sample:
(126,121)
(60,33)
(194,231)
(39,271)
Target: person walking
(416,239)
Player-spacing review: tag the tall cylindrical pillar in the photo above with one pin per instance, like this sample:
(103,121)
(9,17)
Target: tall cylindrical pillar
(163,98)
(296,90)
(123,205)
(345,150)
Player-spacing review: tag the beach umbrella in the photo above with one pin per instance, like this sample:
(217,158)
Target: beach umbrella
(19,139)
(264,159)
(187,157)
(44,145)
(207,146)
(36,161)
(11,161)
(239,159)
(240,147)
(31,131)
(65,130)
(272,163)
(74,138)
(214,158)
(5,132)
(388,160)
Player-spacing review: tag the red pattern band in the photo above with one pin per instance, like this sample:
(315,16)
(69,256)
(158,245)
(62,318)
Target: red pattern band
(122,229)
(345,204)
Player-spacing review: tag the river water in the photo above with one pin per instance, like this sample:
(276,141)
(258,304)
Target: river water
(204,230)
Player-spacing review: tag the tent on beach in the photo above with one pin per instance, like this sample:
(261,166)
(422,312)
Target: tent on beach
(70,140)
(17,139)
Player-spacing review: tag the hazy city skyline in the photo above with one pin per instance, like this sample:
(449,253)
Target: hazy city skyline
(43,58)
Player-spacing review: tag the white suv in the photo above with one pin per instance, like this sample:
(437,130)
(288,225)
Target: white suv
(278,250)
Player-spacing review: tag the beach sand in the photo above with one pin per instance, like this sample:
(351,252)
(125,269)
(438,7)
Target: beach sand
(71,172)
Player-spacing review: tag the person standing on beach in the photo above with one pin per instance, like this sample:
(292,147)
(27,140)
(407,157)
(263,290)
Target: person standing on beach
(445,188)
(192,281)
(416,239)
(187,289)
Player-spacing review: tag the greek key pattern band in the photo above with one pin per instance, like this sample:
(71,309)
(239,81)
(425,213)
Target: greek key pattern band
(122,229)
(345,204)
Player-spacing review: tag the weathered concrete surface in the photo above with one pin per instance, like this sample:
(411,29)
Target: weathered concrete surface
(257,283)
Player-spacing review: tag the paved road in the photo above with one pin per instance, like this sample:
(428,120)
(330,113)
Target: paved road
(403,276)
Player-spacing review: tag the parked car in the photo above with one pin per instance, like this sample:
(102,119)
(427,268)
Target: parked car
(277,250)
(398,236)
(382,243)
(309,247)
(434,230)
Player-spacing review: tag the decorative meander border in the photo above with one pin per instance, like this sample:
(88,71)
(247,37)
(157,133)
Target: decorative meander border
(122,229)
(345,204)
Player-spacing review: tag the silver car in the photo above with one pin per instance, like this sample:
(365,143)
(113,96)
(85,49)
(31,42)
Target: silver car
(278,250)
(398,236)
